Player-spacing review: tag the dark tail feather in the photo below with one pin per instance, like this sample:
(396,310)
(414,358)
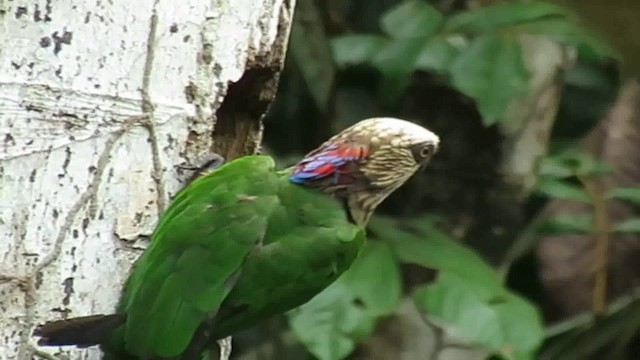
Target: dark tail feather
(81,331)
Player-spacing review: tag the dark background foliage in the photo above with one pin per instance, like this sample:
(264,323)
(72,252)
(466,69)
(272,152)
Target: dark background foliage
(520,240)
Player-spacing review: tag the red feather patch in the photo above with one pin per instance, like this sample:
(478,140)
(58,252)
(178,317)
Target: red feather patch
(333,160)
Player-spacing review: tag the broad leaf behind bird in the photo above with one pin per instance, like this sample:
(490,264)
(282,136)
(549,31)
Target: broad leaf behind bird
(246,242)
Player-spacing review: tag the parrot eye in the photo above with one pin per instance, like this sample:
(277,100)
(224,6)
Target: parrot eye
(423,151)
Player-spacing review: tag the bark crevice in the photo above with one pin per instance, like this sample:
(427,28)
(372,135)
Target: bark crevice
(239,125)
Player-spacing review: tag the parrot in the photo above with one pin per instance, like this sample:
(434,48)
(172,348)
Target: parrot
(246,241)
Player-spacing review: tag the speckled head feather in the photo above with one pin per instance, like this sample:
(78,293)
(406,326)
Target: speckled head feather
(366,162)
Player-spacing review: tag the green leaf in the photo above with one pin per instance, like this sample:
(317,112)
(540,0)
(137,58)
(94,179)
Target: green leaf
(411,19)
(567,224)
(492,72)
(631,194)
(396,62)
(534,17)
(566,31)
(488,18)
(551,166)
(628,226)
(436,55)
(467,297)
(356,49)
(434,250)
(324,324)
(333,322)
(556,28)
(311,51)
(573,162)
(559,189)
(375,280)
(501,322)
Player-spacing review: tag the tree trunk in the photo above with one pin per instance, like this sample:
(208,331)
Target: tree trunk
(102,106)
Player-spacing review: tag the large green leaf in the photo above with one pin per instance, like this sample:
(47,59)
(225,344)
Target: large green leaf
(325,325)
(356,49)
(468,297)
(374,279)
(396,62)
(438,252)
(333,322)
(437,54)
(412,19)
(492,72)
(488,18)
(501,322)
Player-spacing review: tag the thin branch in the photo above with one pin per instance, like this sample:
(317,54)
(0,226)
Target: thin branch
(601,230)
(588,317)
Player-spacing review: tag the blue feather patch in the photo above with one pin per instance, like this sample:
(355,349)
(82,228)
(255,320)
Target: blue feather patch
(328,162)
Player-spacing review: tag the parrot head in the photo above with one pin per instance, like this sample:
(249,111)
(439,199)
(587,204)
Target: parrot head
(366,162)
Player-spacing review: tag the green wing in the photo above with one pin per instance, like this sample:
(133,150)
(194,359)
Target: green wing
(309,243)
(195,255)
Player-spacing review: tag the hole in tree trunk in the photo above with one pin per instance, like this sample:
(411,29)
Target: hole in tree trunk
(238,128)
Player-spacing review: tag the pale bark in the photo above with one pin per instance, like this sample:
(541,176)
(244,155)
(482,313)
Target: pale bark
(530,118)
(101,102)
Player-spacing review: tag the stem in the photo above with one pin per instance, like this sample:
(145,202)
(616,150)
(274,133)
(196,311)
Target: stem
(524,243)
(587,317)
(600,230)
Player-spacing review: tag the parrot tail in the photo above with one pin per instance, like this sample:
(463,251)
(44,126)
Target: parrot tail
(81,331)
